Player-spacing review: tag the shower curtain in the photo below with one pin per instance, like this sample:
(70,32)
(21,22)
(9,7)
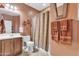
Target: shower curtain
(36,30)
(39,30)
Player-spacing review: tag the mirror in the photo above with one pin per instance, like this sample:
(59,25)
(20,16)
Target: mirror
(5,26)
(8,26)
(61,10)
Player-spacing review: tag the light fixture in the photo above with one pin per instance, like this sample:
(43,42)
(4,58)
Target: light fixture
(44,4)
(12,7)
(7,5)
(15,8)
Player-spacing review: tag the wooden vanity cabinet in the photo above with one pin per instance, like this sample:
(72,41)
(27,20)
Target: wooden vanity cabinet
(3,47)
(11,47)
(7,47)
(17,46)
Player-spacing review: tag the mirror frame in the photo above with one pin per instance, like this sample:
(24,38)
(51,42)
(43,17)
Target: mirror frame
(64,11)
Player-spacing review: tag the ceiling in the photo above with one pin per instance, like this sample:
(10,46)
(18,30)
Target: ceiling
(59,4)
(38,6)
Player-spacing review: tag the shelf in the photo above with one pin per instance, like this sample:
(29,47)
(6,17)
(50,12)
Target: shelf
(62,31)
(67,37)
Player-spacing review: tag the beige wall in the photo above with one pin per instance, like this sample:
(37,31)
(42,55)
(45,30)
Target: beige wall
(71,13)
(24,15)
(58,49)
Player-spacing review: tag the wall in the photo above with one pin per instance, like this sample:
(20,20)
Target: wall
(57,49)
(71,13)
(24,11)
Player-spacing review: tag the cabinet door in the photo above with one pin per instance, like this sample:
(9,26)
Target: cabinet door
(12,47)
(0,48)
(3,47)
(17,46)
(7,47)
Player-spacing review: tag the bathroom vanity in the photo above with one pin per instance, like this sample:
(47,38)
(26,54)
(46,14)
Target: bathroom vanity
(10,45)
(10,40)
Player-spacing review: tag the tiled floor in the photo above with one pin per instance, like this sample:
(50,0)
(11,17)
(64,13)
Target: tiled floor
(40,52)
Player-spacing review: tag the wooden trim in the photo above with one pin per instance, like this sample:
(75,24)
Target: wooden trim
(64,11)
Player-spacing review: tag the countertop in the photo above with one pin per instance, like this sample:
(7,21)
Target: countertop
(9,36)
